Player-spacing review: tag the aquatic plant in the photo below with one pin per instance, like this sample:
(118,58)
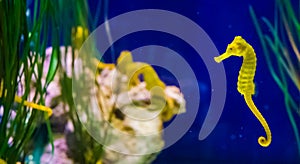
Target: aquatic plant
(26,30)
(23,40)
(239,47)
(75,25)
(281,51)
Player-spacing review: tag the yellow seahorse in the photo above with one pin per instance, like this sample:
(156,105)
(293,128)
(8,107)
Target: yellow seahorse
(131,69)
(239,47)
(18,99)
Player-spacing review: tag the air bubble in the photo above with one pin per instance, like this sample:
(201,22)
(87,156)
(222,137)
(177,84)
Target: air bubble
(27,12)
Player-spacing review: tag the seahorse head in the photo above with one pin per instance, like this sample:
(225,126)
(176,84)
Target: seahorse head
(236,48)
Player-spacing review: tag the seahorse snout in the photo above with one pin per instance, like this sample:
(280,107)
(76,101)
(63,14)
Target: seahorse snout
(222,57)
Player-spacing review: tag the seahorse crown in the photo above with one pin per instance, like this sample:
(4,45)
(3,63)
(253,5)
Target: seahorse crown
(238,47)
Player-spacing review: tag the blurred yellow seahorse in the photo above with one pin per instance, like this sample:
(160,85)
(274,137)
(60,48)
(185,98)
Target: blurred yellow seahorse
(26,103)
(131,69)
(239,47)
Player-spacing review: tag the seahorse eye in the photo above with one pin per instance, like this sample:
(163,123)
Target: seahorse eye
(230,48)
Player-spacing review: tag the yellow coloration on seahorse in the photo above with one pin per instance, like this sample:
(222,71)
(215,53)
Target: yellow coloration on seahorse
(26,103)
(133,70)
(239,47)
(2,161)
(79,35)
(99,161)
